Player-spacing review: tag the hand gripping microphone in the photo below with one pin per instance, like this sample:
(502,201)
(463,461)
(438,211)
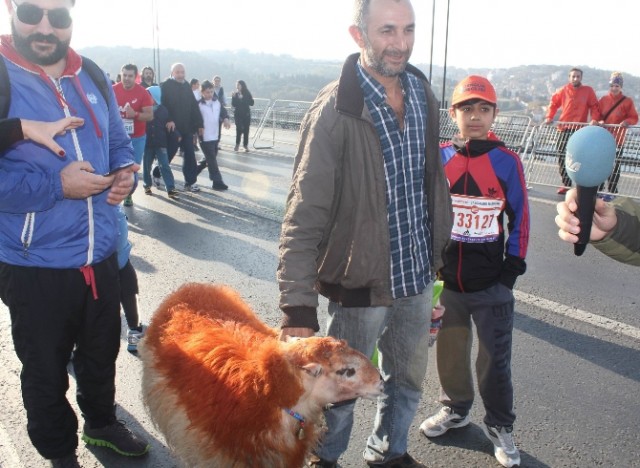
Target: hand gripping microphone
(591,152)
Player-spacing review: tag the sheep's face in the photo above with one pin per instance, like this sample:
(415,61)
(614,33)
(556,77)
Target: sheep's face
(334,372)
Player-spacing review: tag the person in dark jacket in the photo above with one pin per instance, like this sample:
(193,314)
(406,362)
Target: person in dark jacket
(148,77)
(219,90)
(158,137)
(488,192)
(242,100)
(184,116)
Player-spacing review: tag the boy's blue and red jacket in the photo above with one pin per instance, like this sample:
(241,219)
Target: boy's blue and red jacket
(488,188)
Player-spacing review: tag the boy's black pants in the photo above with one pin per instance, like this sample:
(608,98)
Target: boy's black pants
(492,312)
(53,310)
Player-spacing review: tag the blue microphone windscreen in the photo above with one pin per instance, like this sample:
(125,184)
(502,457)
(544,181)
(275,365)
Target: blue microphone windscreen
(591,152)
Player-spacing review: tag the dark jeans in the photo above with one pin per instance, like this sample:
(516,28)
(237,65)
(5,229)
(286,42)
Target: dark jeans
(210,150)
(561,148)
(614,178)
(51,312)
(492,313)
(242,131)
(189,164)
(129,294)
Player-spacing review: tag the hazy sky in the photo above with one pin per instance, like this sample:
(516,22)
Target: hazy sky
(490,33)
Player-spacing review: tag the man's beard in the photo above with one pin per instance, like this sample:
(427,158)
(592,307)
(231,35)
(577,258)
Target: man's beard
(377,63)
(24,46)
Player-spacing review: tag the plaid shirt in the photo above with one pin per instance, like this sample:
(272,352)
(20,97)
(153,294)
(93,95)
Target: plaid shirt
(404,162)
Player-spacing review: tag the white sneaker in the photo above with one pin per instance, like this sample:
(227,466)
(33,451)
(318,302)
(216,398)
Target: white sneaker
(191,188)
(442,421)
(505,449)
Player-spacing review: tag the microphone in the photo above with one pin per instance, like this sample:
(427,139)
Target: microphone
(591,152)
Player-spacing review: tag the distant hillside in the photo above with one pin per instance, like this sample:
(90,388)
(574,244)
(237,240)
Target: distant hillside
(524,89)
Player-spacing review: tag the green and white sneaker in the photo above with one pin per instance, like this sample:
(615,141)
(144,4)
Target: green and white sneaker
(117,437)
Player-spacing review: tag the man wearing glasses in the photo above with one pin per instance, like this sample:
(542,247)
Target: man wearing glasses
(58,236)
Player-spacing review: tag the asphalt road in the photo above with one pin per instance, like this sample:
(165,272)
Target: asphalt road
(576,357)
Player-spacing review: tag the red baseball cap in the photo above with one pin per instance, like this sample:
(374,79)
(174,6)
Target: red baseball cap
(474,87)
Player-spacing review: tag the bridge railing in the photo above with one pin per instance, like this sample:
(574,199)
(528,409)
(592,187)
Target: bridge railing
(275,124)
(540,156)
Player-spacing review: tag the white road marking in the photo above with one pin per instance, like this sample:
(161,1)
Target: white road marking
(545,201)
(577,314)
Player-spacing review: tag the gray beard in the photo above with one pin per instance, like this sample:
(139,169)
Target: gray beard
(377,64)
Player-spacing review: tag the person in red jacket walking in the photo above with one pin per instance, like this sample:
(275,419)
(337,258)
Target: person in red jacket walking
(576,101)
(617,109)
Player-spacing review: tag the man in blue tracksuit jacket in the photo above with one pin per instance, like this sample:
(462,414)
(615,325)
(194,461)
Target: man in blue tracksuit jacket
(58,236)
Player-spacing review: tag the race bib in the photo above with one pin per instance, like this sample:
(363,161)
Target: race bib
(475,218)
(128,126)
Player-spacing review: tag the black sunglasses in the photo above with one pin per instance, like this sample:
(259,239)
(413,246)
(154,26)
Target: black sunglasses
(59,18)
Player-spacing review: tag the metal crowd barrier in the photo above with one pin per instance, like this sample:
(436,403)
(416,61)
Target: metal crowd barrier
(280,124)
(540,156)
(276,123)
(258,110)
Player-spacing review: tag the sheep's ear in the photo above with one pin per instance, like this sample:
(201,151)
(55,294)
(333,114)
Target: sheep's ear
(313,369)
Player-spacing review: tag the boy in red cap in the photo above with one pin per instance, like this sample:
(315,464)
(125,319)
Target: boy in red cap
(481,264)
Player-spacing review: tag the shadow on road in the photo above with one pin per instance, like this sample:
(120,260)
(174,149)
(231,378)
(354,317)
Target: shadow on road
(159,455)
(472,439)
(220,232)
(615,358)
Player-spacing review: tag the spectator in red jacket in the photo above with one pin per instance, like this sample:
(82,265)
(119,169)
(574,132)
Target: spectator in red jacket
(617,109)
(576,101)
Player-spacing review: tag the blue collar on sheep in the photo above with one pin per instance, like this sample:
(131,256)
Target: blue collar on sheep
(300,418)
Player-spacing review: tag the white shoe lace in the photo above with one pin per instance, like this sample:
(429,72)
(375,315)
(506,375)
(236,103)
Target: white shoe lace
(442,416)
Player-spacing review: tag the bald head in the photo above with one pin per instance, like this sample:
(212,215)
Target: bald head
(178,72)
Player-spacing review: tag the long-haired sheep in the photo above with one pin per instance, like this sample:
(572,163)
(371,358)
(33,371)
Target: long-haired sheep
(226,392)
